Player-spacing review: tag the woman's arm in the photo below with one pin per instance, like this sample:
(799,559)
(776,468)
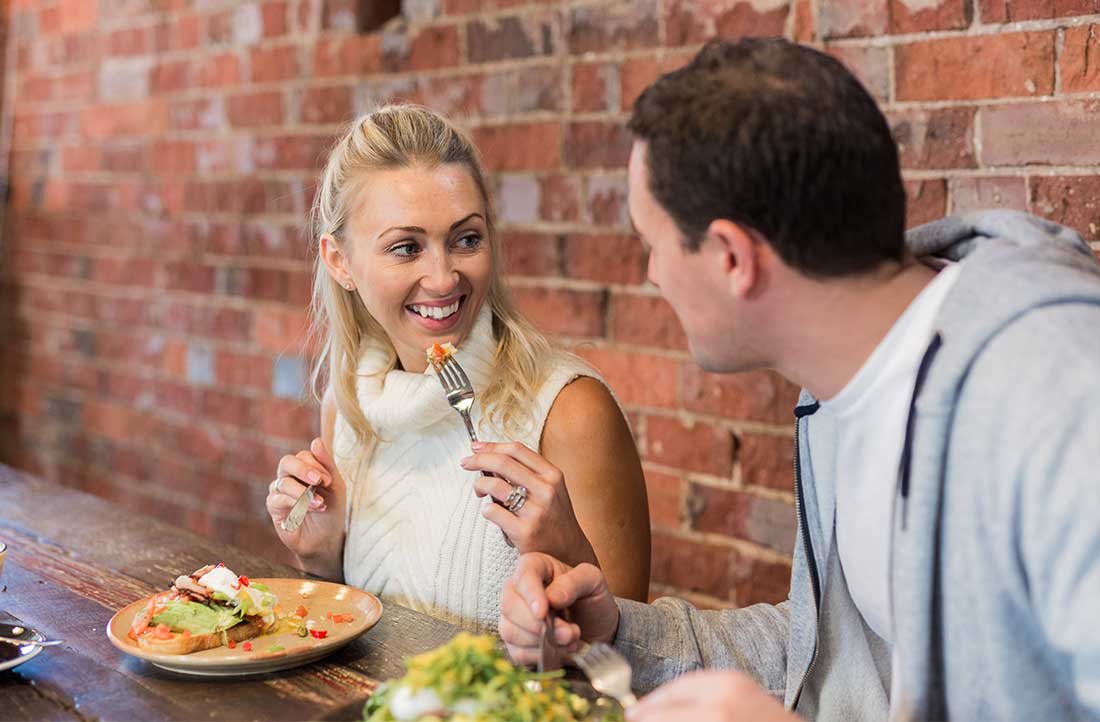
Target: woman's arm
(587,438)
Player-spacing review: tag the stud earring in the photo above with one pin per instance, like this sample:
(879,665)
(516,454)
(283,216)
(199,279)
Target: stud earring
(347,286)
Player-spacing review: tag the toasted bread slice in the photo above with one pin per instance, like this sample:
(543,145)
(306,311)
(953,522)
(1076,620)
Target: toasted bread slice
(186,644)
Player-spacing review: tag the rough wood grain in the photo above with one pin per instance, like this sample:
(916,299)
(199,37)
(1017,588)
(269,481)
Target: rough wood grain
(74,559)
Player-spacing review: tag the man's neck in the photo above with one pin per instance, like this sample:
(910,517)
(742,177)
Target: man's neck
(841,322)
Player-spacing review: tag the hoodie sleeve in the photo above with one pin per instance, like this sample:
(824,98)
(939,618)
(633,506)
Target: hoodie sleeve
(1059,512)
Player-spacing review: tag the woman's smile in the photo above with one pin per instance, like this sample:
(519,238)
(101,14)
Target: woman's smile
(438,316)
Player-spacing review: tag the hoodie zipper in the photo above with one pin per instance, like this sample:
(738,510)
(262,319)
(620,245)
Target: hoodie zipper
(807,546)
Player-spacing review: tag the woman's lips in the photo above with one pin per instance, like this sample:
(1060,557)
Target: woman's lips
(438,324)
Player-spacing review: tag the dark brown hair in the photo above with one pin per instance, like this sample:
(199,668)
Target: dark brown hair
(780,138)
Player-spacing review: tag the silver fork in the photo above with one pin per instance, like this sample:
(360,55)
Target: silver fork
(607,671)
(459,390)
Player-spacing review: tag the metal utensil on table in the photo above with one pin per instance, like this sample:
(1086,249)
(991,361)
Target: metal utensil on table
(607,670)
(19,631)
(298,511)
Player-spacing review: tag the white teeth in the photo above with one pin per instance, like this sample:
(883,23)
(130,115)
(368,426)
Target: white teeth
(437,312)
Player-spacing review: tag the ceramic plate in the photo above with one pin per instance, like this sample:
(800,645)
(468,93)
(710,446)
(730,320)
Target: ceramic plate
(12,655)
(319,599)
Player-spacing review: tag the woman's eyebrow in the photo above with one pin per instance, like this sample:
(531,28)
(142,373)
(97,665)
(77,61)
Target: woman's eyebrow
(418,229)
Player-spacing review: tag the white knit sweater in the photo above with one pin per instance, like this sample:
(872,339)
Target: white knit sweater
(415,533)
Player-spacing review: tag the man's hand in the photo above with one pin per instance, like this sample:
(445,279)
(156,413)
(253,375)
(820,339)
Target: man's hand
(710,697)
(542,582)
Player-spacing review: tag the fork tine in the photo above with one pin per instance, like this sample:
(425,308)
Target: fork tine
(457,370)
(452,381)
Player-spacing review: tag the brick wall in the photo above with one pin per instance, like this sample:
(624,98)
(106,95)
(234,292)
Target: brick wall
(154,272)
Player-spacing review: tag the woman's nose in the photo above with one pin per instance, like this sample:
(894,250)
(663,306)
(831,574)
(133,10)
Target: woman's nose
(441,278)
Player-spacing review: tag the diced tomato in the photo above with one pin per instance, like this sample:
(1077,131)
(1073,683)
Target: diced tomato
(318,633)
(232,644)
(342,618)
(163,632)
(247,646)
(242,580)
(187,634)
(301,611)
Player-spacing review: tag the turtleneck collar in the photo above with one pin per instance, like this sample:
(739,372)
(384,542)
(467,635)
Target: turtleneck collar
(400,401)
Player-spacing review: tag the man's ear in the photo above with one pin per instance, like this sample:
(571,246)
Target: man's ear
(741,254)
(335,261)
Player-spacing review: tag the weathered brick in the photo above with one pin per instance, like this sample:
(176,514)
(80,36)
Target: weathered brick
(937,138)
(766,461)
(916,16)
(347,55)
(757,396)
(636,74)
(597,28)
(664,493)
(689,22)
(700,447)
(274,18)
(531,254)
(760,582)
(221,70)
(433,47)
(605,201)
(564,312)
(452,96)
(1040,133)
(255,109)
(1009,11)
(691,566)
(853,18)
(538,88)
(559,197)
(972,194)
(972,67)
(509,37)
(927,201)
(286,419)
(1070,200)
(331,104)
(1079,61)
(595,87)
(529,146)
(279,331)
(605,258)
(743,515)
(638,379)
(517,196)
(272,64)
(645,321)
(870,65)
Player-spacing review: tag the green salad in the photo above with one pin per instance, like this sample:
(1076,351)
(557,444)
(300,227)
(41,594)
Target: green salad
(470,680)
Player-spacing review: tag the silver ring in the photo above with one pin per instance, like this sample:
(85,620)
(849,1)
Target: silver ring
(516,499)
(275,486)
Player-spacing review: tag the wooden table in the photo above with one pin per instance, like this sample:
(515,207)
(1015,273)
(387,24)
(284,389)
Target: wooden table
(74,559)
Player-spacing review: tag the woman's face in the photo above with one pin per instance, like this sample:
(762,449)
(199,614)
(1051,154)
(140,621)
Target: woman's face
(418,253)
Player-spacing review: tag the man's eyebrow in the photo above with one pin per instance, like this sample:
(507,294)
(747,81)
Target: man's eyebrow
(418,229)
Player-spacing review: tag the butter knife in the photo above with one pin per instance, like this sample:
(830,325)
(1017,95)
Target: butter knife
(298,511)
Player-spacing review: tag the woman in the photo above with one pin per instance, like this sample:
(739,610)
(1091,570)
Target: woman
(408,258)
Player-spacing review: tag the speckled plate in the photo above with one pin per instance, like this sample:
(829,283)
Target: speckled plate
(319,598)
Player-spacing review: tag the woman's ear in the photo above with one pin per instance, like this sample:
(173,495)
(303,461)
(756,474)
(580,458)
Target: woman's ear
(335,261)
(740,253)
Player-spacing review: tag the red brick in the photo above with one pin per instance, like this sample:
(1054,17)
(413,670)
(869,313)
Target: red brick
(700,448)
(742,515)
(433,47)
(1069,8)
(452,96)
(531,254)
(692,566)
(636,74)
(131,41)
(927,201)
(347,55)
(972,194)
(597,145)
(870,65)
(173,157)
(530,146)
(1043,133)
(559,198)
(274,18)
(286,419)
(605,258)
(1010,11)
(225,408)
(936,138)
(132,120)
(279,331)
(605,201)
(1079,63)
(766,461)
(77,15)
(564,312)
(947,15)
(595,87)
(218,71)
(237,370)
(757,396)
(255,109)
(804,22)
(170,77)
(272,64)
(760,582)
(618,26)
(461,7)
(645,321)
(689,22)
(509,37)
(854,18)
(664,492)
(1069,200)
(982,66)
(638,379)
(326,105)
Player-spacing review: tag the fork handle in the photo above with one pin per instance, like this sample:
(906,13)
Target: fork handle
(473,440)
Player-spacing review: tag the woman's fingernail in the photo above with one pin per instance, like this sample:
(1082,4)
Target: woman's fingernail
(478,445)
(317,502)
(314,476)
(465,462)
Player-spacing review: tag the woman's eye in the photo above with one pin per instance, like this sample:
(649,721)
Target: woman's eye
(469,242)
(405,249)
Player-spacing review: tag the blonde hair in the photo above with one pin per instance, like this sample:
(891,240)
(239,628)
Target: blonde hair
(398,136)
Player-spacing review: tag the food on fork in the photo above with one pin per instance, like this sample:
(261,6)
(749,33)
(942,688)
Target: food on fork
(206,609)
(470,679)
(439,353)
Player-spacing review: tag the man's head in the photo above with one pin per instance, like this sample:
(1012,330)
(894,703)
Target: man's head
(759,161)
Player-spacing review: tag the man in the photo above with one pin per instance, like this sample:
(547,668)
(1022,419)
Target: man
(948,555)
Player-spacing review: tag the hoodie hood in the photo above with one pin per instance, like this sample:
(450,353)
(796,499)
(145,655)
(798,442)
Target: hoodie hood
(955,237)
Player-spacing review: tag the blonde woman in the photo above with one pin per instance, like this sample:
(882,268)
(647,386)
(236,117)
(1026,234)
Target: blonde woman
(408,257)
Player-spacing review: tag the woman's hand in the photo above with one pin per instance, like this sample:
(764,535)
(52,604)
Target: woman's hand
(319,541)
(546,522)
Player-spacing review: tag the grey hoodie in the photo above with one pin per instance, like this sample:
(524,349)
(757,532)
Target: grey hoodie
(995,572)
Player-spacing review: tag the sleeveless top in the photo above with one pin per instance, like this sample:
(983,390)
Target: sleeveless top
(414,529)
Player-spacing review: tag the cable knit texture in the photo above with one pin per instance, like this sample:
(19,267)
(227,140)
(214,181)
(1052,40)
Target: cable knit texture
(415,533)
